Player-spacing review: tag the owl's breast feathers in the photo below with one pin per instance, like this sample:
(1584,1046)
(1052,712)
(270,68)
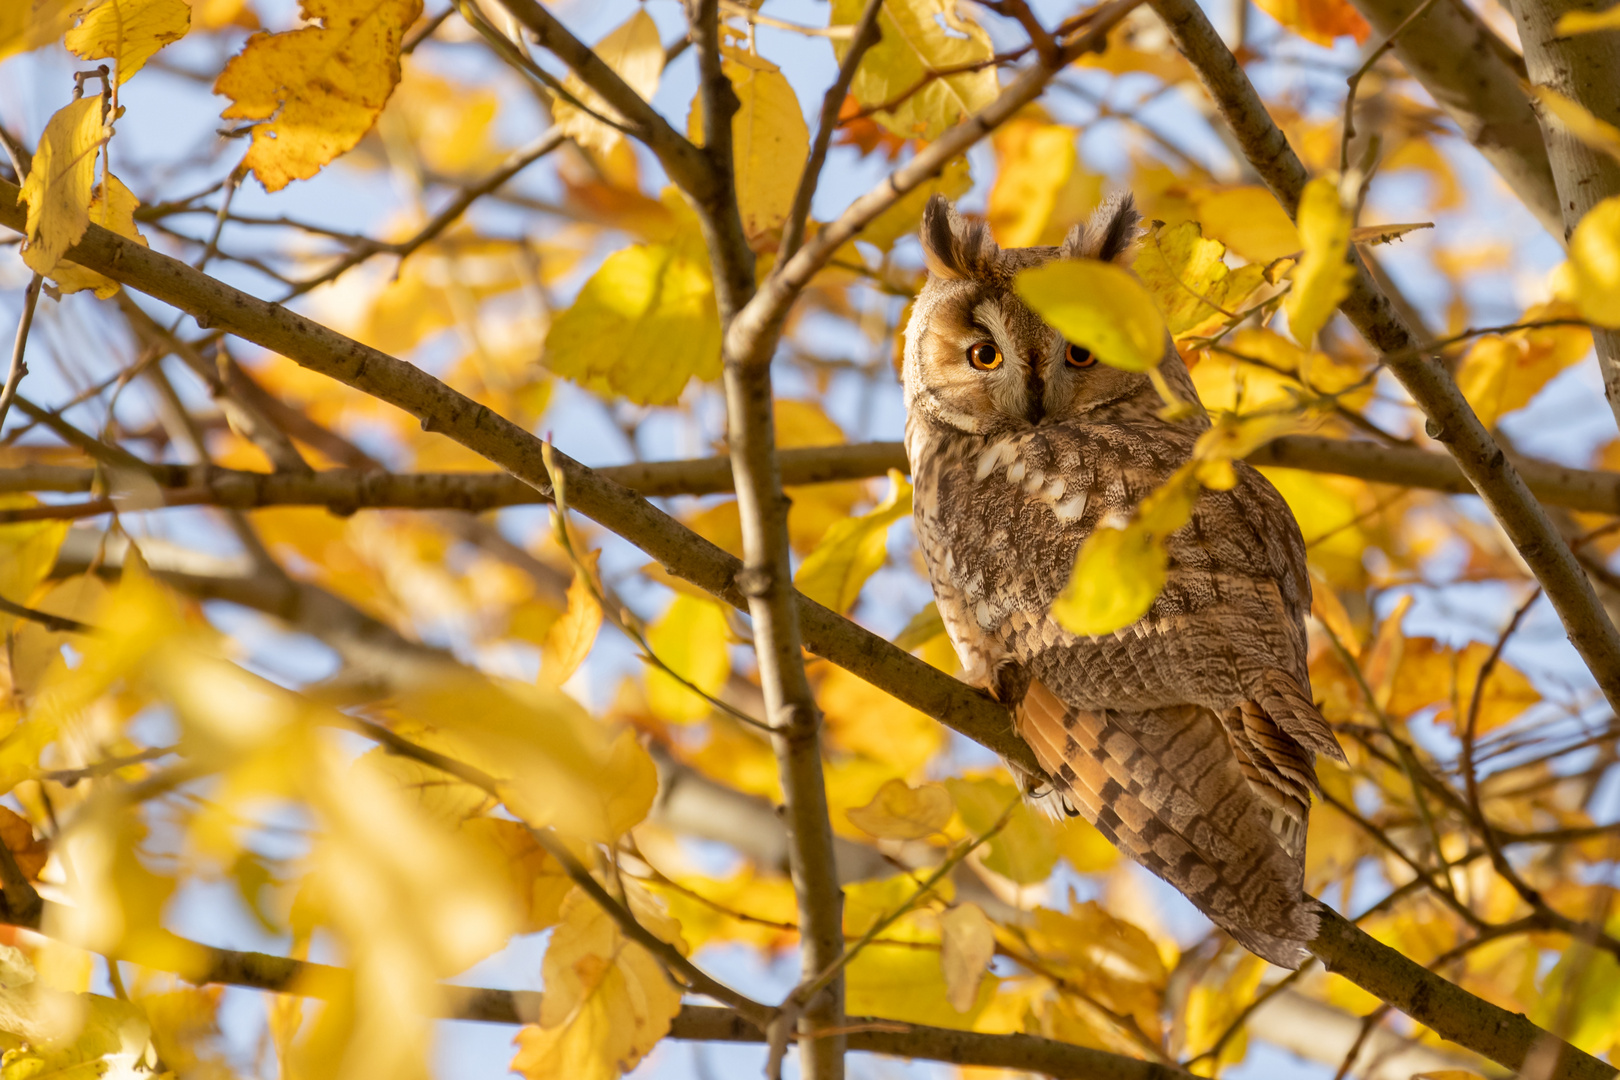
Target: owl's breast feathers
(1188,738)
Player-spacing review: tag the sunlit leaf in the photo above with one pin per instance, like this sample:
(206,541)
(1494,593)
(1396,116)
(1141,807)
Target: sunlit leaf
(853,550)
(1187,277)
(315,91)
(1100,306)
(58,186)
(631,49)
(1318,21)
(129,32)
(1023,851)
(768,138)
(1322,277)
(902,812)
(902,218)
(919,37)
(32,23)
(117,214)
(570,638)
(1575,118)
(1249,221)
(690,637)
(1586,22)
(1501,374)
(1036,162)
(1594,258)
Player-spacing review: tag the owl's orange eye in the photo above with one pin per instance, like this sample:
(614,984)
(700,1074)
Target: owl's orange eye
(1078,357)
(984,356)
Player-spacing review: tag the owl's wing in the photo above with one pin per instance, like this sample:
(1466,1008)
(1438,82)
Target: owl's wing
(1166,788)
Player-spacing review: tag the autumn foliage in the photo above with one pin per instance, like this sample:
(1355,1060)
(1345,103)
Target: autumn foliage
(339,718)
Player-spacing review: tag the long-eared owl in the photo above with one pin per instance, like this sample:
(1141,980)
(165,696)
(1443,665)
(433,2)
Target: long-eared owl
(1189,738)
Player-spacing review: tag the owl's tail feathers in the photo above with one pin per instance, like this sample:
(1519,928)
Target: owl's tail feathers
(1291,708)
(1166,789)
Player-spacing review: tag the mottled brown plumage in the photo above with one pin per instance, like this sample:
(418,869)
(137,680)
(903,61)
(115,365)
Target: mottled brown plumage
(1190,737)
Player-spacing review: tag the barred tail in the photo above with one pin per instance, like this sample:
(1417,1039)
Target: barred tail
(1169,790)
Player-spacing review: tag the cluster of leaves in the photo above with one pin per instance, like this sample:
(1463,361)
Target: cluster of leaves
(174,746)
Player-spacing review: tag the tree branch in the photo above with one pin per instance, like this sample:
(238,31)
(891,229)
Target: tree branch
(1448,1009)
(1430,385)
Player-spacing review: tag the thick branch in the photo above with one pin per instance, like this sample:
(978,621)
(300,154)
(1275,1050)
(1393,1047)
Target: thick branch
(1475,77)
(1586,69)
(1428,382)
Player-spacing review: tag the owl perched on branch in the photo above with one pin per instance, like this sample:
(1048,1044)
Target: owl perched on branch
(1189,738)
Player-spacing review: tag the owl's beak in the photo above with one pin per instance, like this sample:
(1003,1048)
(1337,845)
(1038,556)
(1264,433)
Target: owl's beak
(1035,411)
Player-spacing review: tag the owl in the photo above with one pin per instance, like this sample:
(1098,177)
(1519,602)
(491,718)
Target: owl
(1189,739)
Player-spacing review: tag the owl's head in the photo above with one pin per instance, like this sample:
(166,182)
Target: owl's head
(978,360)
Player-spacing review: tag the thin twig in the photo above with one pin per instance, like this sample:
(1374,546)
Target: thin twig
(19,368)
(1354,81)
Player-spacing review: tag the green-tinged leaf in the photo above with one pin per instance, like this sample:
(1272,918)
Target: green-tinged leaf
(1322,278)
(691,639)
(1023,851)
(853,550)
(920,37)
(644,325)
(1100,306)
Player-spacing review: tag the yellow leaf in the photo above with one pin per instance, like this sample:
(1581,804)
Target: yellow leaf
(1116,962)
(1433,675)
(864,720)
(1034,162)
(1503,373)
(1455,1074)
(537,879)
(1599,134)
(968,942)
(1322,277)
(629,785)
(1319,21)
(316,90)
(1186,275)
(117,214)
(607,1001)
(853,550)
(1023,851)
(769,140)
(1594,259)
(59,182)
(129,32)
(631,49)
(901,812)
(32,23)
(1249,221)
(642,326)
(691,639)
(1099,306)
(27,553)
(1121,570)
(569,640)
(1585,22)
(920,37)
(902,218)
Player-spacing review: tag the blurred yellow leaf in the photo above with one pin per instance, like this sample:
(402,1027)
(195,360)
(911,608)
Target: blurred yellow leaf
(1248,220)
(1023,852)
(59,181)
(27,553)
(1318,21)
(1115,961)
(1502,373)
(967,944)
(117,214)
(607,1001)
(570,638)
(317,90)
(1585,22)
(1214,1004)
(29,24)
(903,217)
(768,137)
(1574,117)
(29,851)
(1087,850)
(642,326)
(1594,259)
(1035,160)
(1433,675)
(1187,277)
(853,550)
(1322,277)
(920,37)
(538,880)
(1100,306)
(129,32)
(691,638)
(901,812)
(864,720)
(631,49)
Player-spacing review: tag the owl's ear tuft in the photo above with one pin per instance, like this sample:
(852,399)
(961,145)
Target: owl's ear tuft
(1111,233)
(955,247)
